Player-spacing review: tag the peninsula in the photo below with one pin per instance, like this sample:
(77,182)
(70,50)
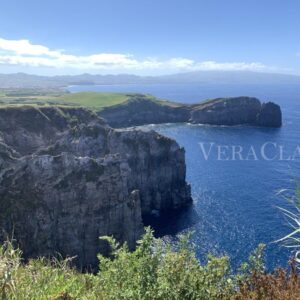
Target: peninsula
(126,110)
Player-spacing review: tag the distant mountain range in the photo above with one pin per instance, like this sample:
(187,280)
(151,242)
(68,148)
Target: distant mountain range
(22,80)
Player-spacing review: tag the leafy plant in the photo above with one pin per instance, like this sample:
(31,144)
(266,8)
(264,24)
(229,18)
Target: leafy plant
(154,271)
(292,240)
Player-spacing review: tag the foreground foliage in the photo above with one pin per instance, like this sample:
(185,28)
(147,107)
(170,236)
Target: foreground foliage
(292,240)
(281,285)
(153,271)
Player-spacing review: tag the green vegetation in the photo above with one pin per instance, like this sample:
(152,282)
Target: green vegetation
(167,102)
(91,100)
(94,100)
(153,271)
(292,240)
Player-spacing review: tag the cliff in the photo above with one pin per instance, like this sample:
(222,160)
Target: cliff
(270,115)
(237,111)
(140,110)
(67,178)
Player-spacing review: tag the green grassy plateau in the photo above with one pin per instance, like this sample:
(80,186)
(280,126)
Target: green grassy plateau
(91,100)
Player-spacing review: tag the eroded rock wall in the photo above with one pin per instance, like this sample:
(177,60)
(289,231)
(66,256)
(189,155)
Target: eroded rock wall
(67,178)
(140,110)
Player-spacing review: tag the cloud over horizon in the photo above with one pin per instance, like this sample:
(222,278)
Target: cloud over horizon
(25,54)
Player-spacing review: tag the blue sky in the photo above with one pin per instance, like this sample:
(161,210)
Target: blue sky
(149,37)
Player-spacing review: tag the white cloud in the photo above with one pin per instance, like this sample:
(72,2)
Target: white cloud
(24,53)
(24,47)
(212,65)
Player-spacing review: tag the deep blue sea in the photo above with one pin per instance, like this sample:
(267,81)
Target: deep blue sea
(234,200)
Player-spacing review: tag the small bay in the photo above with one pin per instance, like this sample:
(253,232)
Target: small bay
(235,200)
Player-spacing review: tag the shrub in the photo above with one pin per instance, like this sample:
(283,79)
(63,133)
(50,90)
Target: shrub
(281,285)
(154,271)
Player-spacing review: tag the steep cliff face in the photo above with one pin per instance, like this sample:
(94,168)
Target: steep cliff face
(270,115)
(222,111)
(139,110)
(236,111)
(230,111)
(66,178)
(159,166)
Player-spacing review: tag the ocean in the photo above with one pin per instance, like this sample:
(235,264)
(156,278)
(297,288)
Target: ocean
(235,172)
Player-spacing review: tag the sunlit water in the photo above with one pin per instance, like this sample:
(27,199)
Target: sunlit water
(234,201)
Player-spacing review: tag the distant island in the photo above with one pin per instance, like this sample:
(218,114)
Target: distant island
(23,80)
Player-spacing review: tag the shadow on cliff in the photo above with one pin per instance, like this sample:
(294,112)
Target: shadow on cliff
(173,222)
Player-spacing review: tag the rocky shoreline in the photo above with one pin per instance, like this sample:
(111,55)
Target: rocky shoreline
(139,110)
(67,177)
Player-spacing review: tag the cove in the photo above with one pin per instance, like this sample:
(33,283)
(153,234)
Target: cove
(234,201)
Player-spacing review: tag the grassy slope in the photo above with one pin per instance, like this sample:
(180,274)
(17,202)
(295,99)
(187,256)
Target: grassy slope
(86,99)
(94,100)
(91,100)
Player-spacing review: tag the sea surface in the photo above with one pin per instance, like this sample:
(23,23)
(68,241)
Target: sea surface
(235,196)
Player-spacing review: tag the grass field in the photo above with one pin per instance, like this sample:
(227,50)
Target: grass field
(92,100)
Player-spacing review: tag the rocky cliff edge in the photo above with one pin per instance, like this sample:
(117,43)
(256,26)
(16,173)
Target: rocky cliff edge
(140,110)
(67,178)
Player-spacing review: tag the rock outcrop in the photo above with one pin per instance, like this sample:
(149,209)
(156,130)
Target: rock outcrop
(231,111)
(269,115)
(237,111)
(141,110)
(67,178)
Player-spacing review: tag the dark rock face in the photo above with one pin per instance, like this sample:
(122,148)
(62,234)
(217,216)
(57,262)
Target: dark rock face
(231,111)
(139,111)
(270,115)
(159,166)
(67,178)
(236,111)
(221,111)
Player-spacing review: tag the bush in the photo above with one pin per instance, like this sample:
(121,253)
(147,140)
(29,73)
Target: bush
(154,271)
(281,285)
